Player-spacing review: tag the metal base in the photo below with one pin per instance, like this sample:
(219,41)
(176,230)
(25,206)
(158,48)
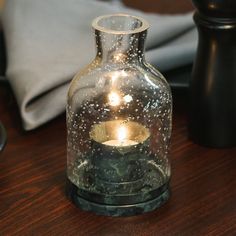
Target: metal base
(116,210)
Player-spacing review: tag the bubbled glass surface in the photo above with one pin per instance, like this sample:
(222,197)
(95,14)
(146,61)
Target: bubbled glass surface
(119,115)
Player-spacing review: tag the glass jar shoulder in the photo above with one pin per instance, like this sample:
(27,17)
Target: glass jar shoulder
(155,76)
(101,76)
(81,79)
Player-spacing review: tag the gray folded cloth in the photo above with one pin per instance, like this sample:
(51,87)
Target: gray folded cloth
(48,41)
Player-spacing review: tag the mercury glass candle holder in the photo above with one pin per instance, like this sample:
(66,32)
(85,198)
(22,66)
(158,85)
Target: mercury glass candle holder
(119,116)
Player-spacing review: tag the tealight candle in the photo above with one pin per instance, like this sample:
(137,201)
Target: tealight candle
(119,133)
(121,140)
(117,146)
(118,143)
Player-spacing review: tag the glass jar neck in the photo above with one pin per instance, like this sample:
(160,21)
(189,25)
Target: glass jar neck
(120,48)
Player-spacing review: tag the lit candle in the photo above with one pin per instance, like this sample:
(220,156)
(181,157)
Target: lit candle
(119,133)
(121,140)
(116,154)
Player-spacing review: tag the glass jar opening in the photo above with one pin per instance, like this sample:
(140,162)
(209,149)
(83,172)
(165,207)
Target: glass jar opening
(120,24)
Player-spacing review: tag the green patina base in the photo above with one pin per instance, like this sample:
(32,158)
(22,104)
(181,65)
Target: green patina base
(118,209)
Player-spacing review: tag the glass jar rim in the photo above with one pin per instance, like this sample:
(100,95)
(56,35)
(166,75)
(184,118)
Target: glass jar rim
(143,27)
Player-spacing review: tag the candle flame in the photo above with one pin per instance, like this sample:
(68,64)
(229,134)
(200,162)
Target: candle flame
(122,133)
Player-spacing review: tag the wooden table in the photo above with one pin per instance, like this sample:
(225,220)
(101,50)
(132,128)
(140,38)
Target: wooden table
(32,182)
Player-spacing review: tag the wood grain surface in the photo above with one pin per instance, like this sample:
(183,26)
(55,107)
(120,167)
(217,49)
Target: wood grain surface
(33,176)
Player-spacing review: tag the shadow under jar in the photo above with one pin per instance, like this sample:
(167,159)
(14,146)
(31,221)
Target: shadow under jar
(119,116)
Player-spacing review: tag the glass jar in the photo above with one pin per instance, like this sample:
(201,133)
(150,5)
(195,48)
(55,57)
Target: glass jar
(119,120)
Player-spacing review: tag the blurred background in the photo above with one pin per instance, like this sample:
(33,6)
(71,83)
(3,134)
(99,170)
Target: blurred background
(167,6)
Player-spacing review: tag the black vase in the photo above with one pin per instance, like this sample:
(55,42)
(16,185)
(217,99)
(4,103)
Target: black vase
(212,116)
